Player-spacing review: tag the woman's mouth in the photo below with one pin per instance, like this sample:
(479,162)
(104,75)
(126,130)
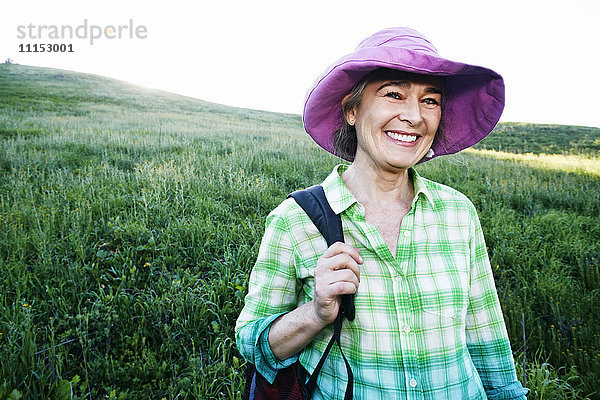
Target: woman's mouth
(401,136)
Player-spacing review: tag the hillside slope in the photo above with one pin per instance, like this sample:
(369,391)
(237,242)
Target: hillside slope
(66,93)
(28,91)
(520,138)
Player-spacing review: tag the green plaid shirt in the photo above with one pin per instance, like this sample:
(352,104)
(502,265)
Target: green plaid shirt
(428,321)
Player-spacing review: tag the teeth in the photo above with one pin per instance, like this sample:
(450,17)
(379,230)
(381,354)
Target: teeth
(400,137)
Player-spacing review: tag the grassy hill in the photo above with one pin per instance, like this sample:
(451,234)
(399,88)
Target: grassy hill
(130,218)
(522,138)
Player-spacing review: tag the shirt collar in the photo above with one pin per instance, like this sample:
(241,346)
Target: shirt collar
(420,186)
(340,198)
(338,195)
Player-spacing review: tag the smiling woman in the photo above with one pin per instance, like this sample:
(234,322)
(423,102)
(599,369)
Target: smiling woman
(428,323)
(345,140)
(396,119)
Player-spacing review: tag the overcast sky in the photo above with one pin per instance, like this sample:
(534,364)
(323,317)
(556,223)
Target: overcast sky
(266,54)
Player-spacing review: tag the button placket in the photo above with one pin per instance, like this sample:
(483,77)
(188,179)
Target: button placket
(408,336)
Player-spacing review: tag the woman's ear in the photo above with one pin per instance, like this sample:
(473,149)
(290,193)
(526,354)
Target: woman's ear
(349,115)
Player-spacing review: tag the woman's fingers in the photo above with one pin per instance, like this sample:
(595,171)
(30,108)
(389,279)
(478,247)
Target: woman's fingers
(338,262)
(339,248)
(328,289)
(344,288)
(327,282)
(339,257)
(337,273)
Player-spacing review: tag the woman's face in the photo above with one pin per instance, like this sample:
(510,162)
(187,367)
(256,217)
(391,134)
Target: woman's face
(397,119)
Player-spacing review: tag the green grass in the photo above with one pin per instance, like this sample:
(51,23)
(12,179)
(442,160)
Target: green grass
(130,219)
(543,139)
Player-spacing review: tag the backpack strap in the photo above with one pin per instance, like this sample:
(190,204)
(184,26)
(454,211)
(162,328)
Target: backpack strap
(315,205)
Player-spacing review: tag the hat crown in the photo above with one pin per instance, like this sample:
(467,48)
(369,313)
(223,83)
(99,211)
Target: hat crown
(399,37)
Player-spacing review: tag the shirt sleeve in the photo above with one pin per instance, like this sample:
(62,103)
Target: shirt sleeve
(487,338)
(272,292)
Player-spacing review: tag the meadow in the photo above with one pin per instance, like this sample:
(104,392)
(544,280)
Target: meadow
(130,219)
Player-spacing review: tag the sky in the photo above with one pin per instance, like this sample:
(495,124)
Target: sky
(266,54)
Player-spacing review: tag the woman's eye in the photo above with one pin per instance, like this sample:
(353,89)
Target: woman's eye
(431,102)
(394,95)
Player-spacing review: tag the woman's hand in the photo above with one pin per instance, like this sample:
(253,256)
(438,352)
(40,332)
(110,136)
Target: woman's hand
(337,273)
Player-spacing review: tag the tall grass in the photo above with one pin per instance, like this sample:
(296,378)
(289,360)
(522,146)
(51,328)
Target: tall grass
(130,218)
(542,139)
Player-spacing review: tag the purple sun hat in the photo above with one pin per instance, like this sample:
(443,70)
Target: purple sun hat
(473,98)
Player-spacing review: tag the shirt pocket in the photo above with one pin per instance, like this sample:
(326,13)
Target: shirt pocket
(441,325)
(441,285)
(446,310)
(444,301)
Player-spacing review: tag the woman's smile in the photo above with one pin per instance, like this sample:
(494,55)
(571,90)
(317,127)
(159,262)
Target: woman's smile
(403,138)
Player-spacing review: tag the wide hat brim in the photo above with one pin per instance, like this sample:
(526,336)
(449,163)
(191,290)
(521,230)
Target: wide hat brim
(473,96)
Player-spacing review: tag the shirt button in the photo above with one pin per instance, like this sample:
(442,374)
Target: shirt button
(413,382)
(406,330)
(406,234)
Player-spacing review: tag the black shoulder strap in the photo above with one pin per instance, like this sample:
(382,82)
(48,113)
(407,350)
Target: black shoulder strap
(315,205)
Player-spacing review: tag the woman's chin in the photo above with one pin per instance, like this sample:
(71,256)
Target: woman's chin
(404,159)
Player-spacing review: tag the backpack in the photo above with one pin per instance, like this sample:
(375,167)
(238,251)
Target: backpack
(290,382)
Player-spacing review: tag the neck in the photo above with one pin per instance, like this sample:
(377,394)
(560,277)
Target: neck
(374,185)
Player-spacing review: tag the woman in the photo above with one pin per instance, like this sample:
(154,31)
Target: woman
(428,321)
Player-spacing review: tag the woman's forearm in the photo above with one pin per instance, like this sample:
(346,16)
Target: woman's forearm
(337,273)
(291,332)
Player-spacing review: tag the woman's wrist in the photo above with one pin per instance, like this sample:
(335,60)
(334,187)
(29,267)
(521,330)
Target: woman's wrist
(292,332)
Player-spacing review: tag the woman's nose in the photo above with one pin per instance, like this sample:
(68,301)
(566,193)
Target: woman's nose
(410,112)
